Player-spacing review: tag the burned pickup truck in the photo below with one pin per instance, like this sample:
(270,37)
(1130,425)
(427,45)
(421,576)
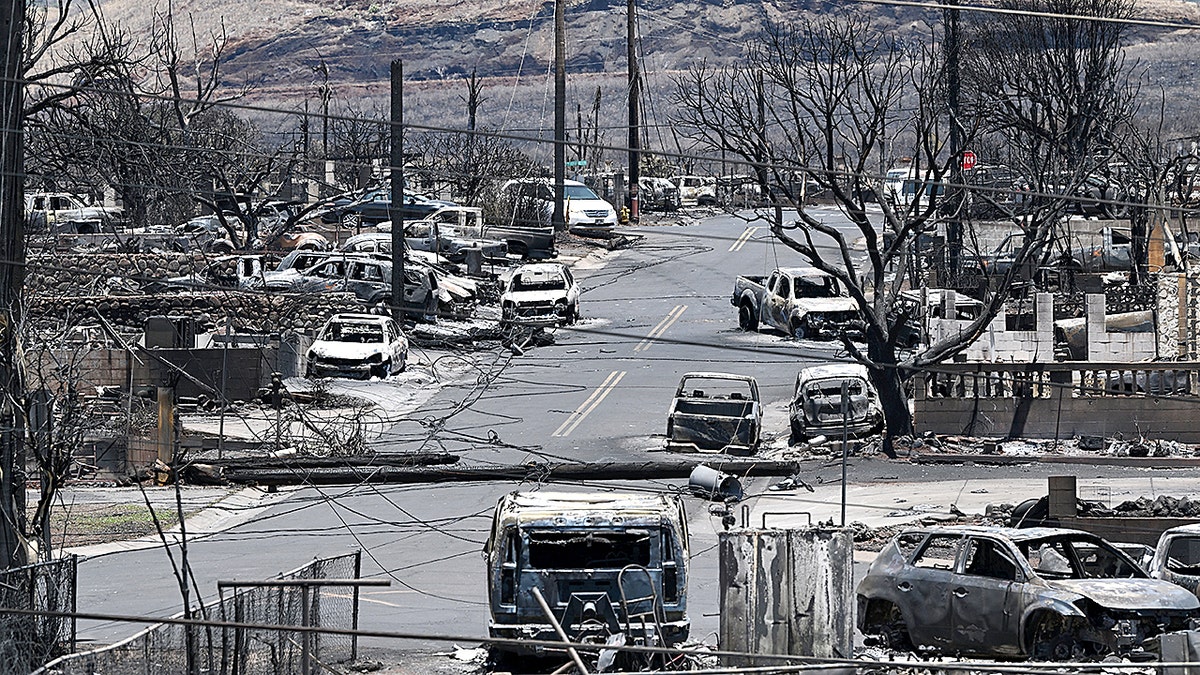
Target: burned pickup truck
(612,569)
(799,301)
(715,412)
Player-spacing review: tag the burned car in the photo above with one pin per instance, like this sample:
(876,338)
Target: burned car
(606,563)
(1177,557)
(1041,593)
(539,294)
(358,345)
(715,412)
(816,406)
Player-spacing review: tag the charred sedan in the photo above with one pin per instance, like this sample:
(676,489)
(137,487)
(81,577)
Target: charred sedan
(358,345)
(816,406)
(1041,593)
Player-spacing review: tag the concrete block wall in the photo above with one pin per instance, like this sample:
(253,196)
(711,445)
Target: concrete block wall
(998,344)
(1121,347)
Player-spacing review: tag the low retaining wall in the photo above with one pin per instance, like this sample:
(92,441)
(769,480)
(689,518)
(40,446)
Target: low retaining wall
(1061,400)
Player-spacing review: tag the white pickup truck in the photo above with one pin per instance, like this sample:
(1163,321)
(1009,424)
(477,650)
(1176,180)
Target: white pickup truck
(45,210)
(800,301)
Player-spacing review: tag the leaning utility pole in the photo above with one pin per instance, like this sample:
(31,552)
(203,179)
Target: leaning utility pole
(12,277)
(635,95)
(560,114)
(396,175)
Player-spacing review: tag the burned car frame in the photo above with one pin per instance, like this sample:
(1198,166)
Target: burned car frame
(607,564)
(1041,593)
(816,406)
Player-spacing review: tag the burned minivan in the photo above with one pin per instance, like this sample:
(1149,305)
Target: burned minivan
(605,563)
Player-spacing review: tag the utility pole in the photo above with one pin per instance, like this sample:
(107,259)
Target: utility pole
(635,95)
(560,113)
(397,177)
(954,194)
(12,279)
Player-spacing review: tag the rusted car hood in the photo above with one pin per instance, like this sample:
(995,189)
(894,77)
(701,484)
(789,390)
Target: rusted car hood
(1130,594)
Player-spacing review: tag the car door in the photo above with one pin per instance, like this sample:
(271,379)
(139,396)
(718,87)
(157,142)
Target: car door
(366,280)
(925,590)
(777,305)
(985,599)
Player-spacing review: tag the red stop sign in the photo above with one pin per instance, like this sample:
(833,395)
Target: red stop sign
(968,160)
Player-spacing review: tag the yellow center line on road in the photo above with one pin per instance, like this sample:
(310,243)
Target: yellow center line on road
(741,241)
(590,404)
(662,327)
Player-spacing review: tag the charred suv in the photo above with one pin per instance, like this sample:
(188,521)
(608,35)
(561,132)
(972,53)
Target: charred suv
(1041,593)
(801,302)
(539,294)
(606,564)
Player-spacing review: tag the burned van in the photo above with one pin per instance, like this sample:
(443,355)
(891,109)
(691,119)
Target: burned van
(605,563)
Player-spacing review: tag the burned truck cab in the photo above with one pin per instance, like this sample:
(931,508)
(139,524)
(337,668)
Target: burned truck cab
(606,564)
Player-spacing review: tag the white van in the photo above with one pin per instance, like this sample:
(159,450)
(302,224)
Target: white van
(586,212)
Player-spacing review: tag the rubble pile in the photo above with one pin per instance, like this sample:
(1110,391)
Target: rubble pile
(1162,506)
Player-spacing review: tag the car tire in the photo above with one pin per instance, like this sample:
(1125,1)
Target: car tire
(381,371)
(799,330)
(797,432)
(747,320)
(352,220)
(892,630)
(1055,638)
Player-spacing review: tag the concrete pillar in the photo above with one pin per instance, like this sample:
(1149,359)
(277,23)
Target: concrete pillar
(949,304)
(1062,497)
(787,592)
(1044,352)
(1095,327)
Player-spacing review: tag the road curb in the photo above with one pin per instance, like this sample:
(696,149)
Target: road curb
(1134,462)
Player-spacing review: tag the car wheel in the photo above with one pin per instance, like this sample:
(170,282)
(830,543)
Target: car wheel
(799,330)
(1056,639)
(352,220)
(891,629)
(797,434)
(572,315)
(747,320)
(381,370)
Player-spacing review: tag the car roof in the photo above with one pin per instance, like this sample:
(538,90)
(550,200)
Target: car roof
(1014,534)
(1190,528)
(712,375)
(359,317)
(803,272)
(832,370)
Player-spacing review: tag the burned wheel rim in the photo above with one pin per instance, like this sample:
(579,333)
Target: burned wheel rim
(1055,639)
(893,632)
(746,319)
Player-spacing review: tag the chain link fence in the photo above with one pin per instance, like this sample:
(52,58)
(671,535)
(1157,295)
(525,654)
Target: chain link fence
(27,640)
(194,650)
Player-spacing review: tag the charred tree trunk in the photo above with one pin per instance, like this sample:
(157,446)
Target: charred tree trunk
(888,379)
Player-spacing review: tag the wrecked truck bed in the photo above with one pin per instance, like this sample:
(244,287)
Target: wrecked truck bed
(715,412)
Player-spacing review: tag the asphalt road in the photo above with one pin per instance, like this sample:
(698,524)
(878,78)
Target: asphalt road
(651,313)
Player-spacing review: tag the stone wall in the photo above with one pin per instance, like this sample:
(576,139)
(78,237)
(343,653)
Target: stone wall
(90,273)
(251,312)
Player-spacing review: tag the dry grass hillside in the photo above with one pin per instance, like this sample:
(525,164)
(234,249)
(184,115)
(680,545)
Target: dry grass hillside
(276,46)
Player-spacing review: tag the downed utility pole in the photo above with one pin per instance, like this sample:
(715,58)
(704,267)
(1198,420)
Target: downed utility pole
(535,471)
